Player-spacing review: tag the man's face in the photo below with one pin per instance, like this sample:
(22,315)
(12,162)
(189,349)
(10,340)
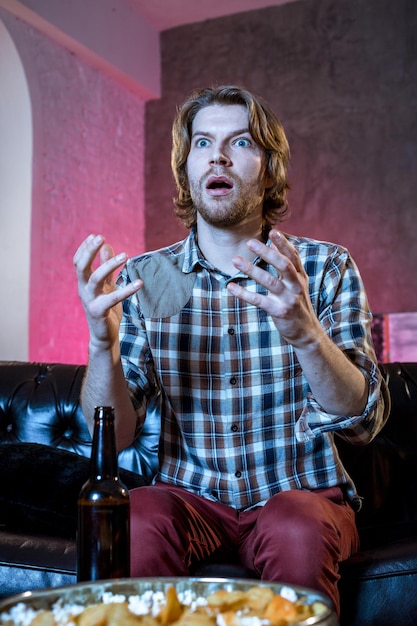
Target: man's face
(225,167)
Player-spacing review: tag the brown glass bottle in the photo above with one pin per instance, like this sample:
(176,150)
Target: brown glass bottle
(103,536)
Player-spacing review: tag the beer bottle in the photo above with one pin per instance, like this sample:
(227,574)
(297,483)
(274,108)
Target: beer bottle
(103,535)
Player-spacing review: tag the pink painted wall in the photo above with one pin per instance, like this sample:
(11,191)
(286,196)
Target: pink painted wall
(87,177)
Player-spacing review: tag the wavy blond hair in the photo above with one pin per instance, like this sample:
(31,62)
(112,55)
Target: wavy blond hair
(264,127)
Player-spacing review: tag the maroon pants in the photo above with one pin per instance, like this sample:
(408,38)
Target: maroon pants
(298,537)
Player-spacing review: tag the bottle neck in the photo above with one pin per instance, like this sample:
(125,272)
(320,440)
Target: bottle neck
(104,454)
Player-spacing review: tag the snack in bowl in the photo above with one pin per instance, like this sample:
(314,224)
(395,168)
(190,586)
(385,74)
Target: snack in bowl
(170,603)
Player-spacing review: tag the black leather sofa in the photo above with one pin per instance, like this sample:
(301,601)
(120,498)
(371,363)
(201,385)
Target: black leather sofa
(44,449)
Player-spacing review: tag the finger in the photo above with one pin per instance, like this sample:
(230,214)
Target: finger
(284,261)
(103,303)
(84,261)
(273,283)
(106,252)
(80,251)
(104,273)
(109,262)
(271,304)
(86,253)
(251,297)
(286,248)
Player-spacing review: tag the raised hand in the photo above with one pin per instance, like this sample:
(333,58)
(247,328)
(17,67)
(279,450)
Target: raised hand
(96,287)
(288,301)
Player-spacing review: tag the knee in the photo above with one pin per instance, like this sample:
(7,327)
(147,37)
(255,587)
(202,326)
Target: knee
(294,515)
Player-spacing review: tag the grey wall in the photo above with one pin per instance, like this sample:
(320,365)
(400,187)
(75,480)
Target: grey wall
(342,76)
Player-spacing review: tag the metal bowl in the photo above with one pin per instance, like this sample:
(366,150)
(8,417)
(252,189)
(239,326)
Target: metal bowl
(88,593)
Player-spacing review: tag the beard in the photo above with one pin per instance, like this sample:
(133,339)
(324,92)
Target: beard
(230,210)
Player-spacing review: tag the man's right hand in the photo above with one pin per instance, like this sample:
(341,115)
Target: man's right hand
(97,289)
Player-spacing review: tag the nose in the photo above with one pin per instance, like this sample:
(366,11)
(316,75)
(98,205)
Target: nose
(219,157)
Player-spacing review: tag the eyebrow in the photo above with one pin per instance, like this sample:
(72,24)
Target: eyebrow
(238,131)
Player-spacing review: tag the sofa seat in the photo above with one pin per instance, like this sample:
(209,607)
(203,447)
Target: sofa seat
(380,584)
(35,562)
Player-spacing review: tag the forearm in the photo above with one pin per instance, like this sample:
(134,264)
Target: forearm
(335,382)
(105,385)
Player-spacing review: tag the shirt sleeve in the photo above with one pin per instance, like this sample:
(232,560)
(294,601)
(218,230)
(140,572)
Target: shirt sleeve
(136,357)
(343,311)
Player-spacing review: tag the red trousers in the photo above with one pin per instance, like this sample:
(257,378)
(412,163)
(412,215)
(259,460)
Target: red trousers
(298,537)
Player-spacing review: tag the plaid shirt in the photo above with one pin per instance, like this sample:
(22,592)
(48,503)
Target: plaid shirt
(238,420)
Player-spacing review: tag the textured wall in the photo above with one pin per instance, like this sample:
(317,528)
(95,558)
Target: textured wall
(342,76)
(87,177)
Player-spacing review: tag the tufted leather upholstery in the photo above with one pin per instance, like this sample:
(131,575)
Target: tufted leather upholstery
(39,403)
(379,584)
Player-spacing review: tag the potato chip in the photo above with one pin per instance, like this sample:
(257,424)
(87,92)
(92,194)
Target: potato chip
(93,615)
(230,618)
(195,618)
(258,598)
(172,610)
(222,599)
(280,608)
(119,613)
(44,618)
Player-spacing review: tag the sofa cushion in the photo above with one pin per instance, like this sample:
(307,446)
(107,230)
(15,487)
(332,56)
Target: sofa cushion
(39,487)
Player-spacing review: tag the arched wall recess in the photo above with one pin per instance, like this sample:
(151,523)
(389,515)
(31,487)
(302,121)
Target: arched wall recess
(16,144)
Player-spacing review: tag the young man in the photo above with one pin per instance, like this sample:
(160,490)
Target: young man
(256,348)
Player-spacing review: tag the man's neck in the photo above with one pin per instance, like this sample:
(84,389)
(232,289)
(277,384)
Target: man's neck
(220,245)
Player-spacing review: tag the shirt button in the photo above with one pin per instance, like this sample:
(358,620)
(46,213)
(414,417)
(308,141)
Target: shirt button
(234,427)
(233,380)
(231,331)
(238,474)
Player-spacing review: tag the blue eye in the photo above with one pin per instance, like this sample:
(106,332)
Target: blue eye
(242,143)
(202,143)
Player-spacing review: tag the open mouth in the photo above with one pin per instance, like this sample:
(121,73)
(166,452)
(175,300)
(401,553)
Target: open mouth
(219,185)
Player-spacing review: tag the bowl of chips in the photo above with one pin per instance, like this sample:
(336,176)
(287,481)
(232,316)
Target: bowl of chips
(169,602)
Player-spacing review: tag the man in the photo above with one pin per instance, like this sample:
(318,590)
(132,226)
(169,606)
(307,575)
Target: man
(255,345)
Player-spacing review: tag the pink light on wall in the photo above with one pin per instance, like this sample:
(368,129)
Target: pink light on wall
(87,177)
(395,337)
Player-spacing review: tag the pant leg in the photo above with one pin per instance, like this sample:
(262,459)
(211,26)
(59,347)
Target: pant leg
(300,537)
(173,529)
